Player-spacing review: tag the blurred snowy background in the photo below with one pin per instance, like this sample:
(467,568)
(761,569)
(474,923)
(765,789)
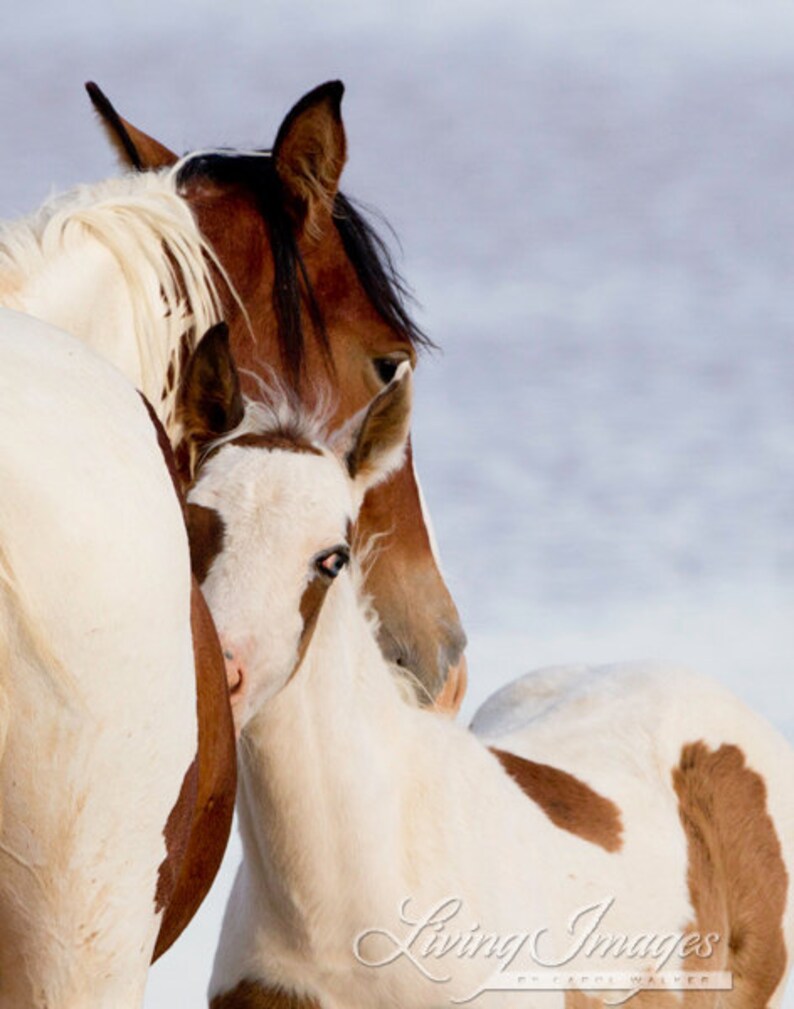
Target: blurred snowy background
(595,205)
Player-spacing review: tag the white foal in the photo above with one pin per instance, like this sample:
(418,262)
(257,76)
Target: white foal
(98,678)
(635,820)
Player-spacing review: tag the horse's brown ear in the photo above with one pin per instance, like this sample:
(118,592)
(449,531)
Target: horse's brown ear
(309,154)
(372,443)
(210,401)
(135,149)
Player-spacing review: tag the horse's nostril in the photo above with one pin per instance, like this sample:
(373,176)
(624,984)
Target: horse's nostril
(451,653)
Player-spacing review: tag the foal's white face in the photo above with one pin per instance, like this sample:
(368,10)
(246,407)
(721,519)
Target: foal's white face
(270,519)
(286,515)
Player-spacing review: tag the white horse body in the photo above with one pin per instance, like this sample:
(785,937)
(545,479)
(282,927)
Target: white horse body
(352,802)
(96,672)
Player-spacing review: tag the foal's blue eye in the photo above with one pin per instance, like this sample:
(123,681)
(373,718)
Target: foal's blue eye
(332,561)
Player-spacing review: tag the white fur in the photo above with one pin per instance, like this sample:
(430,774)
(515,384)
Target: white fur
(108,263)
(97,683)
(350,801)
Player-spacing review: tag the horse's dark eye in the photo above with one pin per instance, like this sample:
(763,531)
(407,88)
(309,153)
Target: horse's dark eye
(332,562)
(386,367)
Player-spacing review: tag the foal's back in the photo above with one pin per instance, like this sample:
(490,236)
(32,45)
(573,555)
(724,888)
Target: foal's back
(671,794)
(97,690)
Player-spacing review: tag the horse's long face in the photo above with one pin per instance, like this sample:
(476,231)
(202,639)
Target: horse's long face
(420,626)
(326,313)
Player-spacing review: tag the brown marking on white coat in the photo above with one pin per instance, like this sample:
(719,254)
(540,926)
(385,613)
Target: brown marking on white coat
(285,441)
(211,821)
(198,827)
(569,803)
(255,995)
(176,834)
(205,532)
(311,603)
(736,875)
(737,884)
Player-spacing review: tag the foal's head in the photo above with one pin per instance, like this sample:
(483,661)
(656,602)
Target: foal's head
(271,513)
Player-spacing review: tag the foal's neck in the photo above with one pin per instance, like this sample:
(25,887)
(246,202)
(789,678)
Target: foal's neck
(319,766)
(351,801)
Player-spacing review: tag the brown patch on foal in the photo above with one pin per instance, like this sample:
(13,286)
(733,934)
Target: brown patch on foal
(283,441)
(569,803)
(311,603)
(205,531)
(737,883)
(253,995)
(737,878)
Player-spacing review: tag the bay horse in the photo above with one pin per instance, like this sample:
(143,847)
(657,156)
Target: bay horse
(625,820)
(107,653)
(309,290)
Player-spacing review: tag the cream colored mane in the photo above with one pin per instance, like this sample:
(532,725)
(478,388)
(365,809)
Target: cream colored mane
(152,234)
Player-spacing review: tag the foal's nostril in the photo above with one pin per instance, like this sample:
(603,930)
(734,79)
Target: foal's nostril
(235,672)
(237,686)
(450,651)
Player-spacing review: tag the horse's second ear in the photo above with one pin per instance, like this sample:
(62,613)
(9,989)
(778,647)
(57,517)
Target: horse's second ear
(309,154)
(372,444)
(210,400)
(135,149)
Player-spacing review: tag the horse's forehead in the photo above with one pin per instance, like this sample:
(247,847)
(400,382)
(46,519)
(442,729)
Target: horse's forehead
(295,479)
(346,307)
(230,213)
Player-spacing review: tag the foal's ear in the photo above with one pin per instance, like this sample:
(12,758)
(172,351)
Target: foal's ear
(135,149)
(309,155)
(372,444)
(210,401)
